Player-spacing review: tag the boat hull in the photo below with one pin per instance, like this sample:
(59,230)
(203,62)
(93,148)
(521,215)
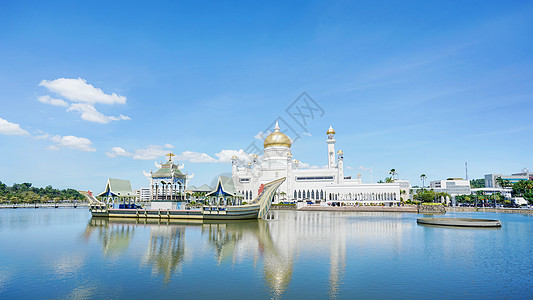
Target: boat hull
(227,213)
(258,208)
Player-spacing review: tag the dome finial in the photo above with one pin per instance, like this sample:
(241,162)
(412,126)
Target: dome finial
(330,130)
(277,138)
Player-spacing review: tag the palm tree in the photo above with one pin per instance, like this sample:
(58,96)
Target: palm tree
(500,181)
(423,178)
(393,173)
(507,183)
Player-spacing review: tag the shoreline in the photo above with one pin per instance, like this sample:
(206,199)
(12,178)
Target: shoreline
(403,209)
(43,205)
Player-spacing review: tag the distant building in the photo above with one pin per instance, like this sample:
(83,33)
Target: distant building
(490,179)
(143,194)
(452,186)
(405,188)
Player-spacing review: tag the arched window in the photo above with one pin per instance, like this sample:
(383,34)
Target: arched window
(300,194)
(312,194)
(321,194)
(308,194)
(295,194)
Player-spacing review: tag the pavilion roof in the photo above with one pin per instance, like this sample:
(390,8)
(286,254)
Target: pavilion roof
(226,187)
(117,187)
(204,188)
(167,169)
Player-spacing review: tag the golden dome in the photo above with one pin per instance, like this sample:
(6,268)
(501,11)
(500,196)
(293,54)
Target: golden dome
(277,138)
(330,130)
(340,152)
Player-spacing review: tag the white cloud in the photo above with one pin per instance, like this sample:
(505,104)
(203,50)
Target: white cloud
(89,113)
(364,168)
(306,133)
(118,151)
(53,148)
(78,90)
(73,142)
(309,166)
(195,157)
(262,135)
(43,136)
(225,156)
(150,152)
(9,128)
(155,151)
(52,101)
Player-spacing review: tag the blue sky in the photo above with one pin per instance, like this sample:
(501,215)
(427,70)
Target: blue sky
(92,90)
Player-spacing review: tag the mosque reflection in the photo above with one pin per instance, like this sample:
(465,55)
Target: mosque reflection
(279,241)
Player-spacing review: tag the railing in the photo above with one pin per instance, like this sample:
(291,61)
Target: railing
(42,205)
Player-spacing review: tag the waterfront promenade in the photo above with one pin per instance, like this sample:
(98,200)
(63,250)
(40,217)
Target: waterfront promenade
(402,209)
(43,205)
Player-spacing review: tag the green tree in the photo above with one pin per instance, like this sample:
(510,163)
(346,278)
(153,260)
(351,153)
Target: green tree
(423,178)
(427,195)
(524,188)
(499,181)
(477,183)
(393,173)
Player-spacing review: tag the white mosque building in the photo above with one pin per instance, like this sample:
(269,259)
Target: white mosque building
(316,185)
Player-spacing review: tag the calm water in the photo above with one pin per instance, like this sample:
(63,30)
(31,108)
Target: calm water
(63,253)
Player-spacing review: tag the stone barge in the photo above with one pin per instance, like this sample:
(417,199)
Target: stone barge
(256,209)
(460,222)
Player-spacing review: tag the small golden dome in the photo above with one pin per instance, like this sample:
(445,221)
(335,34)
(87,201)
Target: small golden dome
(277,138)
(340,152)
(234,157)
(330,130)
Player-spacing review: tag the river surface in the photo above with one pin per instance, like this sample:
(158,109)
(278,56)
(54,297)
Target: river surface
(64,253)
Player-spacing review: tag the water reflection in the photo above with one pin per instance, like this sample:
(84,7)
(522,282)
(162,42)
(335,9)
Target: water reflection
(233,239)
(276,242)
(114,239)
(166,250)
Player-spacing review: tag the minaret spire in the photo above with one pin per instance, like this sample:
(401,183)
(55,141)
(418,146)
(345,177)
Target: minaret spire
(276,128)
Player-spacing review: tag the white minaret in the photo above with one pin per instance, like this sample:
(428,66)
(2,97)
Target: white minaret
(331,147)
(340,166)
(288,181)
(234,165)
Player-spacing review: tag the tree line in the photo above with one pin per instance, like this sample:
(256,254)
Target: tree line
(26,193)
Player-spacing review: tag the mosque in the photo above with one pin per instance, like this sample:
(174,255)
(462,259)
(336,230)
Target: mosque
(312,185)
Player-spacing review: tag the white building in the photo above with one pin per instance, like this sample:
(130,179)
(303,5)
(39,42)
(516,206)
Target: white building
(491,179)
(143,194)
(452,186)
(314,185)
